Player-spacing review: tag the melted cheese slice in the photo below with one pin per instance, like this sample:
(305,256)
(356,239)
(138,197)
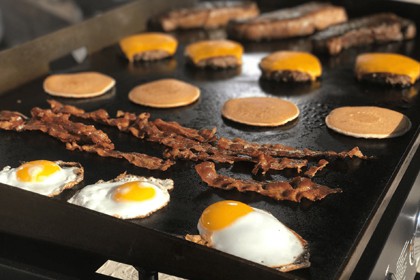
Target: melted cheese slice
(214,48)
(152,41)
(388,63)
(292,61)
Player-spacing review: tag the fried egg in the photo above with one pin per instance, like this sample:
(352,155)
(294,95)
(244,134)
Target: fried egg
(44,177)
(253,234)
(125,197)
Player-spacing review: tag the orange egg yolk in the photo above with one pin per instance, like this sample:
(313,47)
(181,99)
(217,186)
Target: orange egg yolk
(293,61)
(388,63)
(215,48)
(133,191)
(152,41)
(36,171)
(223,213)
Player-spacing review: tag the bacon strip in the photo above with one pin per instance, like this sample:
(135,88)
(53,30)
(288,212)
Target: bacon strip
(204,135)
(183,143)
(314,169)
(10,120)
(280,150)
(235,145)
(266,163)
(77,136)
(294,190)
(59,126)
(124,120)
(137,159)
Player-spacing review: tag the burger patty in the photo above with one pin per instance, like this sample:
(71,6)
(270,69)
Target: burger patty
(378,28)
(301,20)
(207,15)
(286,76)
(385,78)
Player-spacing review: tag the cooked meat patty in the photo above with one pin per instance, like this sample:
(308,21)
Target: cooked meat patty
(301,20)
(387,68)
(207,15)
(378,28)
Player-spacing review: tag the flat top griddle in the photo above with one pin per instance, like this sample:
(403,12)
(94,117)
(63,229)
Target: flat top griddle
(333,227)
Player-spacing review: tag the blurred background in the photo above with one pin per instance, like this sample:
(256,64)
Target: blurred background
(24,20)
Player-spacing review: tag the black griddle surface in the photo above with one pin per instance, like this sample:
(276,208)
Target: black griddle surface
(331,226)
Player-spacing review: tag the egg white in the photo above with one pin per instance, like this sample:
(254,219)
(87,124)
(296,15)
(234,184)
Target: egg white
(98,197)
(69,175)
(259,237)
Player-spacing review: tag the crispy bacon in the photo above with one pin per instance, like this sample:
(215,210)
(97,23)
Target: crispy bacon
(280,150)
(191,144)
(77,136)
(204,135)
(137,159)
(182,143)
(314,169)
(293,190)
(10,120)
(266,162)
(122,122)
(59,126)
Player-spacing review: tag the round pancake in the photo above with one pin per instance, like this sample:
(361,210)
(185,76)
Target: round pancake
(368,122)
(260,111)
(78,85)
(166,93)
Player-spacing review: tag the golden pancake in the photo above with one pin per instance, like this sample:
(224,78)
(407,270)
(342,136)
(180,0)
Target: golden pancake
(291,66)
(166,93)
(368,122)
(215,53)
(260,111)
(78,85)
(148,46)
(385,65)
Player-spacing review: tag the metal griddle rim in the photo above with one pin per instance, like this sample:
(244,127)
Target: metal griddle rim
(94,34)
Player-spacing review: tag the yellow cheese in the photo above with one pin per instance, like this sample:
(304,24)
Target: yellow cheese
(152,41)
(292,61)
(388,63)
(214,48)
